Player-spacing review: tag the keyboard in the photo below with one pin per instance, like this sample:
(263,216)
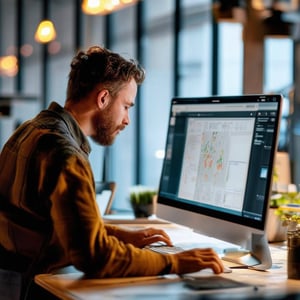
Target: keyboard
(164,249)
(186,239)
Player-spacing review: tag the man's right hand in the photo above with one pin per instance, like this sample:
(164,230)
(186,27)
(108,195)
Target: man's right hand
(198,259)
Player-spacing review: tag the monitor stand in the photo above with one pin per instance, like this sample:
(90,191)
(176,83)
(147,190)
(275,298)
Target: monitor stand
(258,258)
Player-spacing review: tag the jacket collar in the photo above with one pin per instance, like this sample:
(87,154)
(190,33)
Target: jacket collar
(72,125)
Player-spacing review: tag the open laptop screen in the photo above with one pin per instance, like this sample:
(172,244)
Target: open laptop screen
(219,156)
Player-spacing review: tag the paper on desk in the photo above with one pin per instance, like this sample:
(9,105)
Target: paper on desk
(188,239)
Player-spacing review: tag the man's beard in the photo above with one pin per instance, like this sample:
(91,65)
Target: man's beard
(105,130)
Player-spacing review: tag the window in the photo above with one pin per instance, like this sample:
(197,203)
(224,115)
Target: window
(157,90)
(32,51)
(7,43)
(195,48)
(230,58)
(278,64)
(122,154)
(278,78)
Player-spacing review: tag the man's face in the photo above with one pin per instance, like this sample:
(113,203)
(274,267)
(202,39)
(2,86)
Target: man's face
(115,117)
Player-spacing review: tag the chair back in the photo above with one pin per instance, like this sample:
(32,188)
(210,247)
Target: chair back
(105,193)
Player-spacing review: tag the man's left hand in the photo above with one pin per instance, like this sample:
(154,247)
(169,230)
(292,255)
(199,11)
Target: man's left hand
(143,237)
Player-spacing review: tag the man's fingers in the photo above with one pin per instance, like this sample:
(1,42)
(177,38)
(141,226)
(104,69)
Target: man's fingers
(216,267)
(154,239)
(154,231)
(199,259)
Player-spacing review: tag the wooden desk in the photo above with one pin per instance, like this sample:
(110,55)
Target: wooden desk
(272,284)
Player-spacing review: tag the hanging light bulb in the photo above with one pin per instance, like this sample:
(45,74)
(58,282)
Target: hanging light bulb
(93,7)
(45,32)
(110,5)
(8,65)
(258,4)
(127,1)
(102,7)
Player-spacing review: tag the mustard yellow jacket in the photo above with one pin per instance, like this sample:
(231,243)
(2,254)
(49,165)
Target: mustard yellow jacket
(48,212)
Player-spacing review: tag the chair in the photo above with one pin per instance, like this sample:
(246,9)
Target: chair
(105,193)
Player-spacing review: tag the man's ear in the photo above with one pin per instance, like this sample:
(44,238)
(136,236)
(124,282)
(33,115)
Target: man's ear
(103,99)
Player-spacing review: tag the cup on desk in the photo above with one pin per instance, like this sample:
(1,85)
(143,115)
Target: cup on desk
(293,259)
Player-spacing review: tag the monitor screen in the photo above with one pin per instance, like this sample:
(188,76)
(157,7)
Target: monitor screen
(218,164)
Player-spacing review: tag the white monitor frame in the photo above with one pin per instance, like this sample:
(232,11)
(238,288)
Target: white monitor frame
(249,235)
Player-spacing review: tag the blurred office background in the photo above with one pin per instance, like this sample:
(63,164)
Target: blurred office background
(188,48)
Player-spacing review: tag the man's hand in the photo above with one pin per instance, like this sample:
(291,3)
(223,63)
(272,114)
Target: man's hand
(186,262)
(198,259)
(143,237)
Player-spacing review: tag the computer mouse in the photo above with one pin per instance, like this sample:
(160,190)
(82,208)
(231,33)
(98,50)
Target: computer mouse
(227,270)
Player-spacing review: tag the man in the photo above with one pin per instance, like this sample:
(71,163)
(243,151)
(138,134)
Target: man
(48,214)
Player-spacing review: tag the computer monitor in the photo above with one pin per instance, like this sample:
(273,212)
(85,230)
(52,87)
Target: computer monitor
(217,170)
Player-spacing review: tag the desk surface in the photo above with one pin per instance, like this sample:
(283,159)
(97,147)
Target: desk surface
(270,284)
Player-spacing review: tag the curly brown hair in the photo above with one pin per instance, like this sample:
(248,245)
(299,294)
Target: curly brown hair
(101,66)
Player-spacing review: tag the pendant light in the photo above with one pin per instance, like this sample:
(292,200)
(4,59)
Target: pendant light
(45,32)
(102,7)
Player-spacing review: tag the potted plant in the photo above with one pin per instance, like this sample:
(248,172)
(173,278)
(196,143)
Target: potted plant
(276,232)
(290,216)
(142,201)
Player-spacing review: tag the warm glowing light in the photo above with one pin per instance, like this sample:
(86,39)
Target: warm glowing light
(8,65)
(160,154)
(45,32)
(102,7)
(111,4)
(258,4)
(93,7)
